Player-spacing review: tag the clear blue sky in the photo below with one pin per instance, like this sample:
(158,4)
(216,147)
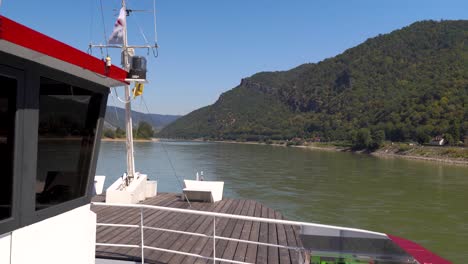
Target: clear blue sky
(208,46)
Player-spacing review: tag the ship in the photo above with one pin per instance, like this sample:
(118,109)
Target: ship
(52,106)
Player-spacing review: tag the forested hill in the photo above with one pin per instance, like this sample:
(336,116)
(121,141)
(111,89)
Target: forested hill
(411,84)
(115,118)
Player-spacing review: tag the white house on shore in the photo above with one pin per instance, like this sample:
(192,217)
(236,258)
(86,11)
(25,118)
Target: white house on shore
(438,141)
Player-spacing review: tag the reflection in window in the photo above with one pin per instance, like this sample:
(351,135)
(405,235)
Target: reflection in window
(67,125)
(7,130)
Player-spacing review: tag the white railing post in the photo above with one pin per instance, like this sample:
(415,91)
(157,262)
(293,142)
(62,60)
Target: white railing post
(142,237)
(214,239)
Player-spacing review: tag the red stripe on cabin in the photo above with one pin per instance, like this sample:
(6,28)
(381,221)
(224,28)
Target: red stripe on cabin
(20,35)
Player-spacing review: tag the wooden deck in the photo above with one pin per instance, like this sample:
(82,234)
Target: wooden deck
(240,229)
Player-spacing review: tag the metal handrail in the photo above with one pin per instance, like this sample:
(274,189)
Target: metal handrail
(142,227)
(240,217)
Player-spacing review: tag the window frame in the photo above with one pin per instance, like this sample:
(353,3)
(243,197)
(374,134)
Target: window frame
(26,140)
(39,215)
(13,221)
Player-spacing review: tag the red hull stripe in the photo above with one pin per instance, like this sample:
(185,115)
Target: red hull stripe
(421,254)
(25,37)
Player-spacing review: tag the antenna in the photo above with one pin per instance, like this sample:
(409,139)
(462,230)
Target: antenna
(129,12)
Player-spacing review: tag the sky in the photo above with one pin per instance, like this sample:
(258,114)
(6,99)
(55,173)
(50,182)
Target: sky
(208,46)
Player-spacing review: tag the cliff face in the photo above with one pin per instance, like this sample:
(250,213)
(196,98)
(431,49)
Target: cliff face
(410,84)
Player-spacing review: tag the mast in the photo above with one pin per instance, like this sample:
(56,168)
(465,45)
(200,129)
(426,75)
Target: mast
(127,52)
(128,106)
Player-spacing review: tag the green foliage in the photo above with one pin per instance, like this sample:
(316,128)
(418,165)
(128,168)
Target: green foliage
(409,85)
(361,139)
(144,131)
(119,133)
(378,137)
(450,140)
(109,133)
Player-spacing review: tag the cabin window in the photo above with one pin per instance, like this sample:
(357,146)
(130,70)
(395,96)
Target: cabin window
(7,130)
(68,118)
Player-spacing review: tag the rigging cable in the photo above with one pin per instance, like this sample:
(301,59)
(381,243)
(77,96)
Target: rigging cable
(154,21)
(142,33)
(155,53)
(153,49)
(104,27)
(167,154)
(115,108)
(91,22)
(118,98)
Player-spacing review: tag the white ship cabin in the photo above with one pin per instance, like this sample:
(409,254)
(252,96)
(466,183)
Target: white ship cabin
(52,104)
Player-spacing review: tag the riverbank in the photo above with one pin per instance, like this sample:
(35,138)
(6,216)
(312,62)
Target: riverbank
(442,154)
(445,154)
(134,140)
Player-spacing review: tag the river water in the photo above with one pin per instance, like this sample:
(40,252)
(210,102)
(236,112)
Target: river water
(421,201)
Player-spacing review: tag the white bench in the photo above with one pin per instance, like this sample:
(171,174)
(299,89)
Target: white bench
(208,191)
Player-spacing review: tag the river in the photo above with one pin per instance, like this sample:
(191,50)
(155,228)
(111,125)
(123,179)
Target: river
(422,201)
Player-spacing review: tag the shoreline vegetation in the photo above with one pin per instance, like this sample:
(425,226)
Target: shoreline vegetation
(443,154)
(134,139)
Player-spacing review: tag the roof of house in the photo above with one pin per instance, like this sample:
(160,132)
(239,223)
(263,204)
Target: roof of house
(21,41)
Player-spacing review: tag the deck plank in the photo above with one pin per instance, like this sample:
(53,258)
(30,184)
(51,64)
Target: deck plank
(186,245)
(291,239)
(200,244)
(262,251)
(273,253)
(236,233)
(221,245)
(282,240)
(251,254)
(241,250)
(176,240)
(221,229)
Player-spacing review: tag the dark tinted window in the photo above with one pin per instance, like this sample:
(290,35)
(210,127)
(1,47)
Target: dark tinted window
(67,125)
(7,130)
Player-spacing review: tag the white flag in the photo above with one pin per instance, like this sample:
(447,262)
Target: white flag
(117,34)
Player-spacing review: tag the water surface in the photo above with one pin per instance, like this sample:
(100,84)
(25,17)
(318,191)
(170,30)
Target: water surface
(422,201)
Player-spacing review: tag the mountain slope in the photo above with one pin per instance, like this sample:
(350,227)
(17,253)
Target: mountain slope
(410,84)
(115,117)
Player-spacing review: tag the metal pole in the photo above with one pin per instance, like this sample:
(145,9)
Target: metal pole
(214,239)
(128,106)
(142,237)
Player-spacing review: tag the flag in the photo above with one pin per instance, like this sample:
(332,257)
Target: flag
(118,33)
(138,90)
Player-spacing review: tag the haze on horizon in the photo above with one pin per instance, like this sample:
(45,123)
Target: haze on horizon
(207,47)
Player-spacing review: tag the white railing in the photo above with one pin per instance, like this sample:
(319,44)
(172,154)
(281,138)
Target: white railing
(322,229)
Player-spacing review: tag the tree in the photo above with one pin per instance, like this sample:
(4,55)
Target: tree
(422,135)
(450,140)
(144,130)
(362,139)
(119,133)
(109,133)
(378,136)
